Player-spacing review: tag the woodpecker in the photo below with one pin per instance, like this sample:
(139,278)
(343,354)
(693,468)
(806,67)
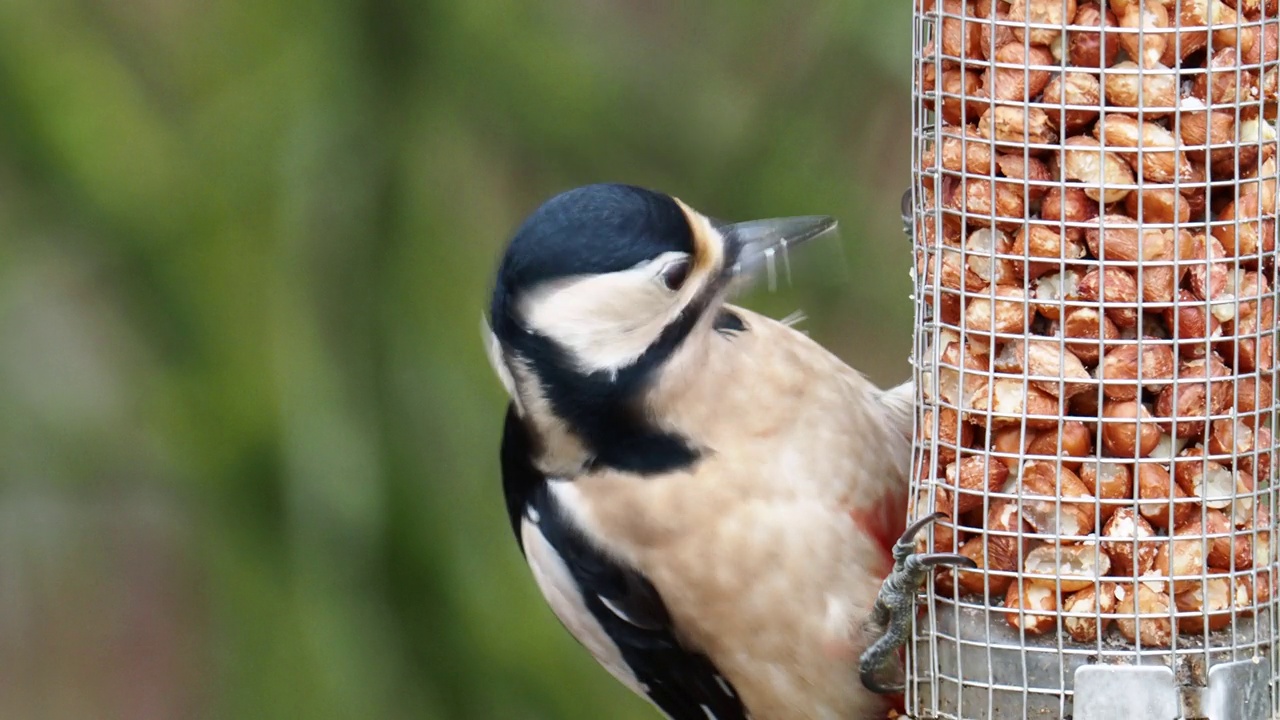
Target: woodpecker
(709,501)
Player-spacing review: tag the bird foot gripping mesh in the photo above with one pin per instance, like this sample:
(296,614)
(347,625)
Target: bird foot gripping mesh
(1093,204)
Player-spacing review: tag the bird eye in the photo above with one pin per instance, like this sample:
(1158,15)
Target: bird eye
(674,274)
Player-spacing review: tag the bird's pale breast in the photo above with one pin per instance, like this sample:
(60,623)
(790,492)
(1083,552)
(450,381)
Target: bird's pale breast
(755,550)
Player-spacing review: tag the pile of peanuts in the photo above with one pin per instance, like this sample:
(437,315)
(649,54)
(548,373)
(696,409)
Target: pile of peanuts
(1096,240)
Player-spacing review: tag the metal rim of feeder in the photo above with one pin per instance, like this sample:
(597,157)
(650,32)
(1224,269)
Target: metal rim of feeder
(966,661)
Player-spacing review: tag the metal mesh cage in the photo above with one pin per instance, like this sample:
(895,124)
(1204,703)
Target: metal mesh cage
(1094,195)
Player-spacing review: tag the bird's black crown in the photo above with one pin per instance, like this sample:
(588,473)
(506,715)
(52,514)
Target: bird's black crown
(589,230)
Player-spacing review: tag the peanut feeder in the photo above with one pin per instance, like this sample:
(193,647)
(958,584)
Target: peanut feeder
(1094,205)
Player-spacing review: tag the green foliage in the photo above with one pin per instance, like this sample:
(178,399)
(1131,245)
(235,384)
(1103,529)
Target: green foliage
(247,432)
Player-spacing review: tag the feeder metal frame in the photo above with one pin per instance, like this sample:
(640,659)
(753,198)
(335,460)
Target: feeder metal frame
(965,662)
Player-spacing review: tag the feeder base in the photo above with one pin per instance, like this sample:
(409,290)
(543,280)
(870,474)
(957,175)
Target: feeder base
(971,665)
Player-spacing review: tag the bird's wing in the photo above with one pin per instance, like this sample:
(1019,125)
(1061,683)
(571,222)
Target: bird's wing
(613,610)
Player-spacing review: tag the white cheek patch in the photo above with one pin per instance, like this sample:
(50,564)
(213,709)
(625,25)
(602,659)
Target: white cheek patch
(605,321)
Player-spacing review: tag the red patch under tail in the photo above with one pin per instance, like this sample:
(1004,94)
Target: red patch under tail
(885,525)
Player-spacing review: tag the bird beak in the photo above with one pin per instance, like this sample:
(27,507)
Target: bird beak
(751,245)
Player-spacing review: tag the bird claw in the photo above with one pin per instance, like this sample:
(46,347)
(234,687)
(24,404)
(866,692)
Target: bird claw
(908,214)
(895,605)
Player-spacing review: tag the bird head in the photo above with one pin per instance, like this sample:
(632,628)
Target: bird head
(604,284)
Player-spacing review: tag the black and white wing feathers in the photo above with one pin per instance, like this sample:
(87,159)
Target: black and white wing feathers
(625,611)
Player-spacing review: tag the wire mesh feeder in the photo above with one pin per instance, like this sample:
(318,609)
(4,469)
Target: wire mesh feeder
(1094,195)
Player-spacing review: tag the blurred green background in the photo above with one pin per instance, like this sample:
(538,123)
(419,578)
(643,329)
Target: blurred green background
(248,437)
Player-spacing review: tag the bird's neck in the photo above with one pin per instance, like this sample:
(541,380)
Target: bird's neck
(765,379)
(558,450)
(733,384)
(582,423)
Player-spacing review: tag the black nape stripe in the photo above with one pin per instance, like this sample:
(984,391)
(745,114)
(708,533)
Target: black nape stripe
(651,453)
